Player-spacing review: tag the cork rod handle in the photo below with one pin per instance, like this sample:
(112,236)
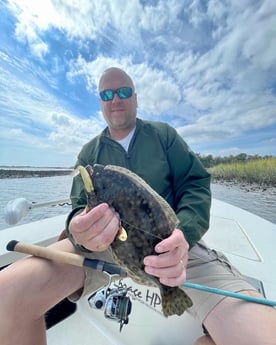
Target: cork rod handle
(46,253)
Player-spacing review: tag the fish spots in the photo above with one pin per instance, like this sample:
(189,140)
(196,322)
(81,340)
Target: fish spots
(147,219)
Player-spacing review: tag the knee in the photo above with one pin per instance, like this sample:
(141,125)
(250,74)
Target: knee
(10,290)
(16,289)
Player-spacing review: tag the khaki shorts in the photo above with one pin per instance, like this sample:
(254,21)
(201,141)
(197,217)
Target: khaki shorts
(205,266)
(211,268)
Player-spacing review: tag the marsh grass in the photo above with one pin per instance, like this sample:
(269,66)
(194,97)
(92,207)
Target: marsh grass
(260,171)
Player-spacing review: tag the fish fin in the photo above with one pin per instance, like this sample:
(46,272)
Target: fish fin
(174,301)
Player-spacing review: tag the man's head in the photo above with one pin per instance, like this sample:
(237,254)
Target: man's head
(118,99)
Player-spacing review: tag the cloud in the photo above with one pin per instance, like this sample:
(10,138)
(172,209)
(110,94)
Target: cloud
(34,119)
(206,67)
(70,134)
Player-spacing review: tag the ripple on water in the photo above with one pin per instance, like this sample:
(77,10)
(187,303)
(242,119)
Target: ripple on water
(253,199)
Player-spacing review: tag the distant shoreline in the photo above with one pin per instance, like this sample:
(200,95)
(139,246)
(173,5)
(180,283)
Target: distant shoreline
(243,185)
(17,173)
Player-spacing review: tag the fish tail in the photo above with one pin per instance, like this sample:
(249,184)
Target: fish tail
(174,301)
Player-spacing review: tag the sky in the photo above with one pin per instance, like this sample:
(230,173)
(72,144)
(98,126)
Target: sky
(206,67)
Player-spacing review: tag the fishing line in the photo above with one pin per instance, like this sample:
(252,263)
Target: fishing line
(139,229)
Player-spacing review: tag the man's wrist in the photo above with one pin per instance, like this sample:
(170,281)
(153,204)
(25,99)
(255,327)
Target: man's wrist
(71,215)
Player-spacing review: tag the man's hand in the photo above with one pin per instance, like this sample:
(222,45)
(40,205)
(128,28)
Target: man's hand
(170,263)
(96,229)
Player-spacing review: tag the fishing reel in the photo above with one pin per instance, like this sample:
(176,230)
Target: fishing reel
(115,303)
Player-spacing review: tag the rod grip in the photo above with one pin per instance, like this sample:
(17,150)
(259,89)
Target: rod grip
(46,253)
(65,257)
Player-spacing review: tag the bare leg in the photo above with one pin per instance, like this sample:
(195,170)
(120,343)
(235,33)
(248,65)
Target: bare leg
(234,321)
(29,288)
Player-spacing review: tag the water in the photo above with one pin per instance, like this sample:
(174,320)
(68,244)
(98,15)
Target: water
(36,190)
(46,189)
(261,202)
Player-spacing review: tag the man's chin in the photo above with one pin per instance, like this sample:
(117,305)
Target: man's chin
(119,125)
(119,122)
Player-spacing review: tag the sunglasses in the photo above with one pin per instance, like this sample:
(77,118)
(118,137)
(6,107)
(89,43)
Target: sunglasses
(122,92)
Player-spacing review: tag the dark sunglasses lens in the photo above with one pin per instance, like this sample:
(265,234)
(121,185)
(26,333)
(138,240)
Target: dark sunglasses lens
(124,92)
(107,95)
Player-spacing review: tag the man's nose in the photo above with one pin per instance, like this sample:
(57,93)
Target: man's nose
(116,98)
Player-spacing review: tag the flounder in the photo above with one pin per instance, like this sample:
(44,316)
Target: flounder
(146,219)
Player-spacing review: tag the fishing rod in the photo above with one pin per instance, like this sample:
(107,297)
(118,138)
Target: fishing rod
(18,208)
(230,294)
(65,257)
(79,260)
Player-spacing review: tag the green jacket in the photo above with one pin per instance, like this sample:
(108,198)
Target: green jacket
(162,158)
